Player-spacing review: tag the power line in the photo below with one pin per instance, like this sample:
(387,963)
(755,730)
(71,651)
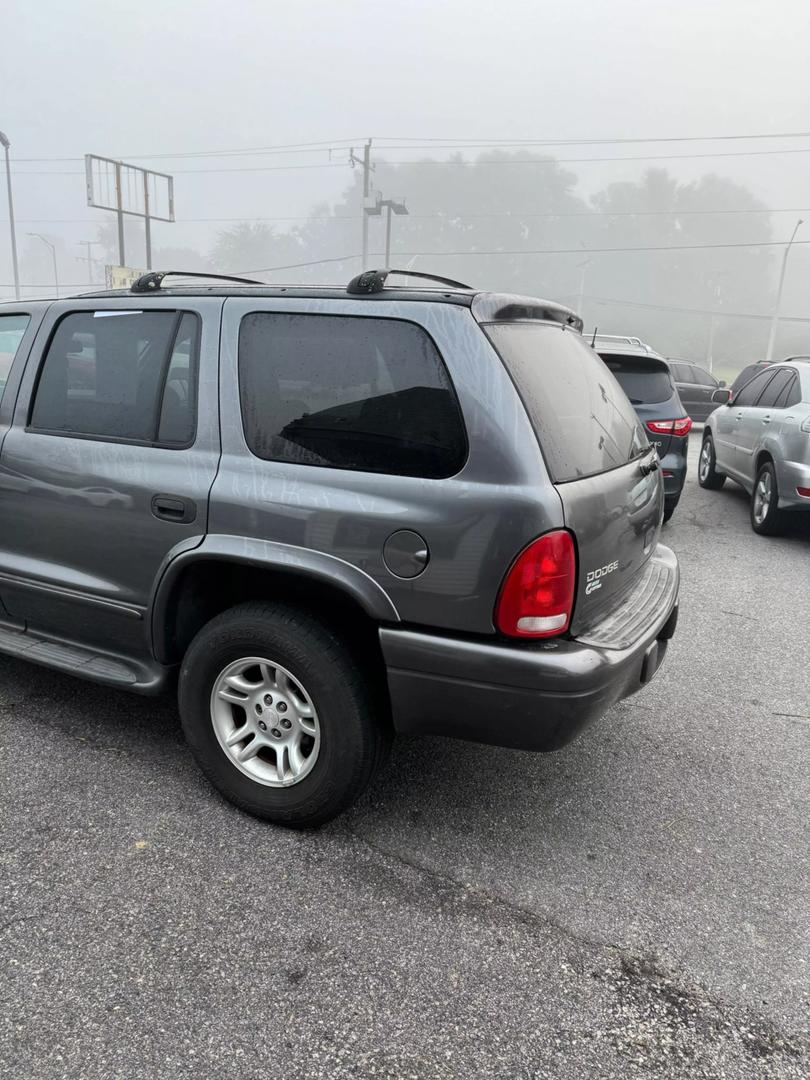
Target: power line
(450,142)
(381,163)
(717,312)
(600,251)
(506,214)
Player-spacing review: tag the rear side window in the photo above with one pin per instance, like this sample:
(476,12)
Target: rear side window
(682,372)
(348,392)
(703,378)
(12,328)
(120,375)
(581,415)
(644,381)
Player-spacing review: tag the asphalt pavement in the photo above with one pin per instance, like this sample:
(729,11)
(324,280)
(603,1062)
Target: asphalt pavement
(636,905)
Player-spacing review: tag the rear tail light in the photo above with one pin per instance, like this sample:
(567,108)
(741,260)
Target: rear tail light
(804,492)
(537,594)
(806,424)
(671,427)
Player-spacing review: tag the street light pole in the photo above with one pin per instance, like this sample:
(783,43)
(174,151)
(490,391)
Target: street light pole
(45,240)
(6,144)
(778,306)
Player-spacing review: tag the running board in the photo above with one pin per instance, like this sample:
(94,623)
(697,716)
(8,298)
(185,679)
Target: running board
(85,663)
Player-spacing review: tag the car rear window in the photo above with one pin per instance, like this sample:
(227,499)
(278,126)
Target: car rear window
(583,420)
(644,381)
(348,392)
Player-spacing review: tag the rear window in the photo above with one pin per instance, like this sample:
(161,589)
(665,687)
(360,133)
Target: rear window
(348,392)
(12,328)
(581,415)
(644,381)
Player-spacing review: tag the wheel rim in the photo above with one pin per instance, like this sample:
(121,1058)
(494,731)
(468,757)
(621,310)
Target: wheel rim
(763,494)
(705,459)
(265,722)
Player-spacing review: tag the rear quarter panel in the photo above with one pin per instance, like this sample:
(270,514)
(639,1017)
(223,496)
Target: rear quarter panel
(474,523)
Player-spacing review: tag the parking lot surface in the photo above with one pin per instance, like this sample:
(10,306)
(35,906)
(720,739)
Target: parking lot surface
(634,905)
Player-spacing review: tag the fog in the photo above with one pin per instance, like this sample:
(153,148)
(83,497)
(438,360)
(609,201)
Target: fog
(255,106)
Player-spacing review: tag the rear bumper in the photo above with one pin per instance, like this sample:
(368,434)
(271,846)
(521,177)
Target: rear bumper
(789,476)
(532,697)
(674,463)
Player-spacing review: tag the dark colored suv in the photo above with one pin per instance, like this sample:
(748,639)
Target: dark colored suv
(695,386)
(332,514)
(645,378)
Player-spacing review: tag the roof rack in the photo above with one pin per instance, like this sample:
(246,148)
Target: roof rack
(152,281)
(373,281)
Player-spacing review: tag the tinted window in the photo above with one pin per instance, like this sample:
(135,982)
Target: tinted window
(583,420)
(348,392)
(104,375)
(791,394)
(682,372)
(751,391)
(745,376)
(12,328)
(704,378)
(775,388)
(644,382)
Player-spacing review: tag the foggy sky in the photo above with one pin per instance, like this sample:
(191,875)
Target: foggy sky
(123,79)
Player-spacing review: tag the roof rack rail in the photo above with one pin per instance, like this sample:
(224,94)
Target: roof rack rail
(373,281)
(152,281)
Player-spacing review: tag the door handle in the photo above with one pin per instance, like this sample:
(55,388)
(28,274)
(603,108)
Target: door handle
(174,508)
(766,419)
(738,416)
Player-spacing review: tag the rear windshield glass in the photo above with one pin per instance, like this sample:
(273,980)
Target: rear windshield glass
(643,381)
(581,415)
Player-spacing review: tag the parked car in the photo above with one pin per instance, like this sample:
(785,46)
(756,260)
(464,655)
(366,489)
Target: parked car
(747,374)
(695,386)
(331,514)
(761,439)
(646,379)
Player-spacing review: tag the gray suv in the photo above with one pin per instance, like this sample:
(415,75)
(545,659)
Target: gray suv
(331,514)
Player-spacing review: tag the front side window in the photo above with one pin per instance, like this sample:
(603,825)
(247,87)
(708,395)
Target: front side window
(703,378)
(774,389)
(120,375)
(12,328)
(749,395)
(348,392)
(582,417)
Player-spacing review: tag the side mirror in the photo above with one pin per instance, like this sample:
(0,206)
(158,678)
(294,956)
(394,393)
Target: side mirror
(721,397)
(722,382)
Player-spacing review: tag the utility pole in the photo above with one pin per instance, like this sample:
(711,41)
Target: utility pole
(583,269)
(778,306)
(6,144)
(368,168)
(392,206)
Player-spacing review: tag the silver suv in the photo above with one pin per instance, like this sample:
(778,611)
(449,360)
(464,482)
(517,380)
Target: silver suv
(760,437)
(331,514)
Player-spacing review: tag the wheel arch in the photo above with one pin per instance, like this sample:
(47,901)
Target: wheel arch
(224,570)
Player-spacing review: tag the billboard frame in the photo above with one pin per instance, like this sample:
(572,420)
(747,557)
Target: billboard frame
(118,208)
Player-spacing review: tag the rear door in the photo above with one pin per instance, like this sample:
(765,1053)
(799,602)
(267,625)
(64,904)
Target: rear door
(596,453)
(703,386)
(108,463)
(750,421)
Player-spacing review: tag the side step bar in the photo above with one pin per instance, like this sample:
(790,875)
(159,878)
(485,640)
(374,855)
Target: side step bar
(124,672)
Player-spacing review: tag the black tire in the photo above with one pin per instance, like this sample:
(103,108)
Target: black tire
(708,474)
(355,730)
(773,522)
(669,507)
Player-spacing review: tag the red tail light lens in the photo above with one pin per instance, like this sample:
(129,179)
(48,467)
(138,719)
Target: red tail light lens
(537,595)
(804,492)
(671,427)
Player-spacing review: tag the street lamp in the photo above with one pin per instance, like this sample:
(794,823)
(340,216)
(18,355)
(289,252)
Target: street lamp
(6,144)
(52,246)
(777,308)
(395,206)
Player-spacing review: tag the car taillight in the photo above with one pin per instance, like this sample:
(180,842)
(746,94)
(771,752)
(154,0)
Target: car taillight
(804,492)
(537,594)
(671,427)
(806,424)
